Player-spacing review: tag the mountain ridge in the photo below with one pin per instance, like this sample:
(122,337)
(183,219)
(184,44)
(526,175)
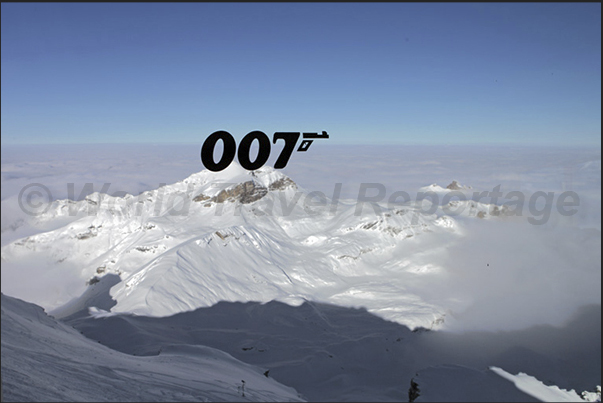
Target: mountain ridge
(235,235)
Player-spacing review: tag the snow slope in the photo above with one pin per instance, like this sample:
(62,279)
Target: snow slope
(256,236)
(327,353)
(183,247)
(45,360)
(332,353)
(322,293)
(537,389)
(456,383)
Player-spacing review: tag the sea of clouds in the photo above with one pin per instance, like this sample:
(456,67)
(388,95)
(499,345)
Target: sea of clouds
(540,274)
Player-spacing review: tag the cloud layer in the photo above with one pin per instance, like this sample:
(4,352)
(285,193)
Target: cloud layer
(498,275)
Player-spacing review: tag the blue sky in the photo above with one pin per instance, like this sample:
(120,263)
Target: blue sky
(387,73)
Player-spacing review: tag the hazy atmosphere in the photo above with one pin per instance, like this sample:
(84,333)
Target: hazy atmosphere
(437,239)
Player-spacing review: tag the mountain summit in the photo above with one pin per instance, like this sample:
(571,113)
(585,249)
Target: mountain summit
(234,235)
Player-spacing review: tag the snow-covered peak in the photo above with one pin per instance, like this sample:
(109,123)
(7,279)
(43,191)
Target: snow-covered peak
(238,185)
(236,174)
(234,235)
(454,185)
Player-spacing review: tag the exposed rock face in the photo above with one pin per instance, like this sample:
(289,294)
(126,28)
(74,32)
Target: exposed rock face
(498,211)
(245,193)
(454,186)
(93,280)
(282,184)
(201,198)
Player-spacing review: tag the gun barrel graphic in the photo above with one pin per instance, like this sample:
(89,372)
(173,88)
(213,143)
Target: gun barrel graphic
(324,135)
(305,144)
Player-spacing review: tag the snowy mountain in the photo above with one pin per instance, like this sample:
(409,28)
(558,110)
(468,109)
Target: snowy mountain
(230,236)
(325,352)
(45,360)
(332,298)
(257,236)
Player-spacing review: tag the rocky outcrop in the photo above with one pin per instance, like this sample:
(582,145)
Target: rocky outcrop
(282,184)
(454,185)
(201,198)
(244,193)
(500,211)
